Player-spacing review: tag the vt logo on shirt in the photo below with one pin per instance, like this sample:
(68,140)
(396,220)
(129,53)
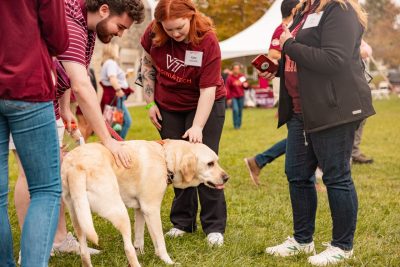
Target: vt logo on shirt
(174,64)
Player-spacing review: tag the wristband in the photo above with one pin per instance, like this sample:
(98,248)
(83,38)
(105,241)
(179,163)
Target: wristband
(150,105)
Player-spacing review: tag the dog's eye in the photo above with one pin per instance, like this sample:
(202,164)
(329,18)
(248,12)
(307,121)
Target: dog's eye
(210,164)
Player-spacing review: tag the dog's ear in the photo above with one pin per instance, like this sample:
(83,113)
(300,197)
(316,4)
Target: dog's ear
(188,166)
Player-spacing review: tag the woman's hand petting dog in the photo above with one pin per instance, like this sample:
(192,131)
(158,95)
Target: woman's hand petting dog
(120,152)
(194,134)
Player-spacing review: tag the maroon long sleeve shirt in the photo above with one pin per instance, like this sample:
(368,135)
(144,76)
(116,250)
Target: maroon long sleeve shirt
(31,32)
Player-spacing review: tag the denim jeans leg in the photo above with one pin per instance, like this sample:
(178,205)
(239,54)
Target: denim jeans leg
(300,165)
(269,155)
(127,120)
(6,243)
(333,149)
(235,112)
(34,131)
(240,111)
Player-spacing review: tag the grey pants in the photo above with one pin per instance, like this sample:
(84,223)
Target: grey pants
(356,152)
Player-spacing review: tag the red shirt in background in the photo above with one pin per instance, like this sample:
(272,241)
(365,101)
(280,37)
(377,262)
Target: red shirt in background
(177,86)
(31,32)
(234,86)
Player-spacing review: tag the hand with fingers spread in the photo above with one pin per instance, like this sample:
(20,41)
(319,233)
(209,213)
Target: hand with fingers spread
(194,134)
(155,116)
(120,152)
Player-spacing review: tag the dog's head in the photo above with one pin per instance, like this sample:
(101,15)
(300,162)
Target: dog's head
(193,164)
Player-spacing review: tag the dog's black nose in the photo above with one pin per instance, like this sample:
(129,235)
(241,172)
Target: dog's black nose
(225,177)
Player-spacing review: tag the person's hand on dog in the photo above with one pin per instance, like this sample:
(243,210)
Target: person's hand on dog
(194,134)
(155,116)
(119,151)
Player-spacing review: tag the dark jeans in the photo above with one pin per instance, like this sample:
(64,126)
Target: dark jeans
(331,150)
(185,204)
(237,111)
(269,155)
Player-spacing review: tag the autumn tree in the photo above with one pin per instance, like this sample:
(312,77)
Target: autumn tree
(233,16)
(383,32)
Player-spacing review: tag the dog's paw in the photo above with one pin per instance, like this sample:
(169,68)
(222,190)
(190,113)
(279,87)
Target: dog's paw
(167,259)
(139,249)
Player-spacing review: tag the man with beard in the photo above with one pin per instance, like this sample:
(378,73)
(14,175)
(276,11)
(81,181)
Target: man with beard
(86,19)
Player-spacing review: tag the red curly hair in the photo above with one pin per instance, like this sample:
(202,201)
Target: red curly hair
(174,9)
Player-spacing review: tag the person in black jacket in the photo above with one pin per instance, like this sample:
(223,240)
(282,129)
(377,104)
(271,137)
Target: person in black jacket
(323,98)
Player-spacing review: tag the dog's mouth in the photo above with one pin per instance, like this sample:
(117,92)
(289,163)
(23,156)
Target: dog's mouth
(216,186)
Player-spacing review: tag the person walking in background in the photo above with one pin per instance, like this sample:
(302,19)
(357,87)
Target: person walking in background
(235,85)
(323,98)
(27,92)
(115,85)
(357,156)
(185,97)
(256,163)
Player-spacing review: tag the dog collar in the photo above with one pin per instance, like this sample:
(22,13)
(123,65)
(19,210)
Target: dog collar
(170,177)
(170,174)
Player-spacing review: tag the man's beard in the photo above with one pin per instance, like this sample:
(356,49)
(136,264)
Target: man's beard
(102,33)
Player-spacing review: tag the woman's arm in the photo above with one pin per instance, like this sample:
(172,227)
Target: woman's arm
(87,100)
(115,84)
(149,80)
(339,34)
(204,106)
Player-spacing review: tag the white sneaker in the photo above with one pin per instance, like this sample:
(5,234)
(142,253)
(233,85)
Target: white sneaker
(175,232)
(215,239)
(331,255)
(70,245)
(291,247)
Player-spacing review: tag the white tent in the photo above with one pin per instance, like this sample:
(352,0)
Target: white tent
(152,5)
(256,38)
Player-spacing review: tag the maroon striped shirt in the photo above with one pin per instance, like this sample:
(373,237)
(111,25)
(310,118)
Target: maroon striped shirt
(81,44)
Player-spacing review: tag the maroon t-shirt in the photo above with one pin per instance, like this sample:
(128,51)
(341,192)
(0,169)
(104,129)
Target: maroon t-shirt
(177,86)
(234,85)
(275,38)
(291,78)
(81,45)
(31,32)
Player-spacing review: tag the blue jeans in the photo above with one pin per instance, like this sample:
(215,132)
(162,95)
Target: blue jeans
(127,117)
(269,155)
(237,109)
(34,131)
(331,149)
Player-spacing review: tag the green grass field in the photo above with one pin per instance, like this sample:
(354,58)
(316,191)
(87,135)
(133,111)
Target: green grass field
(260,217)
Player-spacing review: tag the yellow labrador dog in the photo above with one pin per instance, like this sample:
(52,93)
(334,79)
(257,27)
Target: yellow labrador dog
(92,182)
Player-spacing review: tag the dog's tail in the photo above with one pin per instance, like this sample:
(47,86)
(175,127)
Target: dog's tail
(81,204)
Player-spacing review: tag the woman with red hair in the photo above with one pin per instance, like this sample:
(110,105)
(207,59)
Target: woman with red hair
(185,95)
